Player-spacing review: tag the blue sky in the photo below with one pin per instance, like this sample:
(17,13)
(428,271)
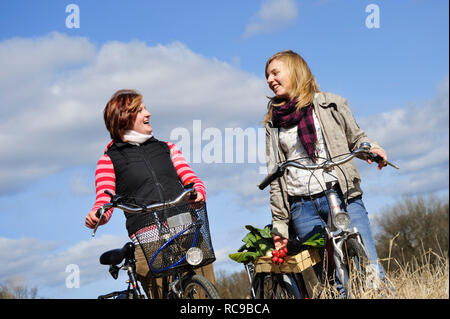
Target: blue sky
(204,61)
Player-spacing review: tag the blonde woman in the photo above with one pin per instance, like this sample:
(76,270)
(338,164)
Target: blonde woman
(303,122)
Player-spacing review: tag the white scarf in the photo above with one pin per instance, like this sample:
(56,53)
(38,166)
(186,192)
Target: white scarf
(136,138)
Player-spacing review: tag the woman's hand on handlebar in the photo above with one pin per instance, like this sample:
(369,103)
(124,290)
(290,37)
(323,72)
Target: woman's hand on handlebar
(196,201)
(91,219)
(380,152)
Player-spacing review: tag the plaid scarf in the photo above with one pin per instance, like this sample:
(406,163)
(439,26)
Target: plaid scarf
(287,115)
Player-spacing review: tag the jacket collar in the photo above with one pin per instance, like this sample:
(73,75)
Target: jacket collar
(321,99)
(122,144)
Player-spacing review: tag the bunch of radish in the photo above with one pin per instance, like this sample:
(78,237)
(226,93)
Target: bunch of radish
(278,255)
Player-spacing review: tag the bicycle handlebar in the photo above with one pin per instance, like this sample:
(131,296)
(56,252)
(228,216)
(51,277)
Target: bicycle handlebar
(189,189)
(280,168)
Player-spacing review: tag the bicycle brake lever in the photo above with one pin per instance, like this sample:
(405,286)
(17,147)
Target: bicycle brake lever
(115,199)
(108,193)
(100,212)
(189,185)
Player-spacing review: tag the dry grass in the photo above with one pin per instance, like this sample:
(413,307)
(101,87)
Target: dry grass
(420,277)
(426,277)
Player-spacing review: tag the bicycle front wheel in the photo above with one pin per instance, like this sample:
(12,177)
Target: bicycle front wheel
(272,286)
(358,262)
(198,287)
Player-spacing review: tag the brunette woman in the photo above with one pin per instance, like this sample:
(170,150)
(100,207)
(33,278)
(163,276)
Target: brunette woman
(137,165)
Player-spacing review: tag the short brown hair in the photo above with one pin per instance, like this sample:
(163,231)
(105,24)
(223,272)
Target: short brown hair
(120,112)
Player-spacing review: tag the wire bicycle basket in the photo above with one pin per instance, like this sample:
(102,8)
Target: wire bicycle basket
(167,234)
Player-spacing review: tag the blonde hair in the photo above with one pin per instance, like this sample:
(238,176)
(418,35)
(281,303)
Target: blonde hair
(303,82)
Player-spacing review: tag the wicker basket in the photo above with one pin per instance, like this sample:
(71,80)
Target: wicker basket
(166,235)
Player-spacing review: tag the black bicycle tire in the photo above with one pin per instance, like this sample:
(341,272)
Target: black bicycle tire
(357,254)
(355,250)
(207,287)
(278,290)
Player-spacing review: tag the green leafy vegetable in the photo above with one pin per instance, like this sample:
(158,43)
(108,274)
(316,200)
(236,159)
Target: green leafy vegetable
(317,240)
(256,244)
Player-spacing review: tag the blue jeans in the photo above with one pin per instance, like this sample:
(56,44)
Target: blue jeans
(308,217)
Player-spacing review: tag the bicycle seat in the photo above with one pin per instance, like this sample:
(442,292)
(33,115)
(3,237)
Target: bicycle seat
(115,256)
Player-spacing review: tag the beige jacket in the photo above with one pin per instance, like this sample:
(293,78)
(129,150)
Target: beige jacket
(341,134)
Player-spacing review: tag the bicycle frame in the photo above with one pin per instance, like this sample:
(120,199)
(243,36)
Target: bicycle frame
(175,291)
(338,236)
(250,269)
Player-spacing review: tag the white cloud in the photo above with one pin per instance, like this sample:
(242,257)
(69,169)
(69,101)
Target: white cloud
(55,120)
(242,181)
(222,255)
(80,186)
(56,123)
(43,263)
(272,16)
(412,129)
(416,138)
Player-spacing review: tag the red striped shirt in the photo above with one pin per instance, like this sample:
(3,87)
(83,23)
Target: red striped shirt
(105,177)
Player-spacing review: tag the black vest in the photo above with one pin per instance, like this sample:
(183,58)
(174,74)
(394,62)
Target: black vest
(144,174)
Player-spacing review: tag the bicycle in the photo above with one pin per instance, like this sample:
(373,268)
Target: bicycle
(344,244)
(174,237)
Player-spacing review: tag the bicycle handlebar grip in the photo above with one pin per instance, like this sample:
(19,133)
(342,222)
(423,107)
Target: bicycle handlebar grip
(266,181)
(193,195)
(278,172)
(99,212)
(375,157)
(189,184)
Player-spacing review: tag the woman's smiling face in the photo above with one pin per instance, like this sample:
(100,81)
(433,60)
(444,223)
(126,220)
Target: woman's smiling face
(279,78)
(142,121)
